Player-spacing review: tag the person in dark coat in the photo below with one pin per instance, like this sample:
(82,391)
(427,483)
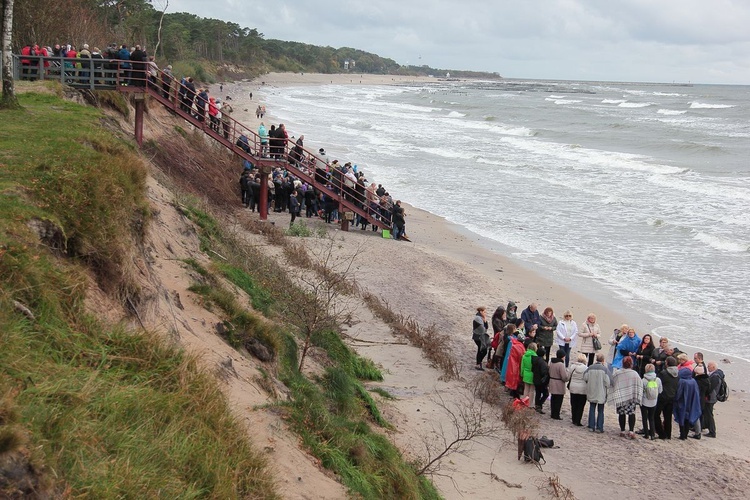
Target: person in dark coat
(245,188)
(138,59)
(545,335)
(530,317)
(540,369)
(687,405)
(665,404)
(715,376)
(645,354)
(254,195)
(294,206)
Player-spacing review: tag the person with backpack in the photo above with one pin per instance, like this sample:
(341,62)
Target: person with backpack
(717,392)
(651,389)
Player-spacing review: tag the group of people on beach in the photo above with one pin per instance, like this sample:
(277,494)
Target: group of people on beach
(634,373)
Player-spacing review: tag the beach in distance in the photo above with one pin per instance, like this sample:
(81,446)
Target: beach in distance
(632,195)
(512,196)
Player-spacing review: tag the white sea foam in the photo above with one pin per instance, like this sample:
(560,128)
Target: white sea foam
(722,244)
(634,104)
(567,101)
(456,114)
(689,178)
(671,112)
(702,105)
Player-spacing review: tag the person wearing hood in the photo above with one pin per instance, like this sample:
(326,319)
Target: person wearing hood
(598,381)
(577,386)
(615,339)
(651,389)
(687,404)
(626,348)
(715,376)
(511,312)
(511,372)
(479,335)
(565,334)
(527,371)
(558,375)
(545,335)
(665,404)
(263,134)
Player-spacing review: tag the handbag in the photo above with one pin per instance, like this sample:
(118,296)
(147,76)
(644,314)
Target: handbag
(597,343)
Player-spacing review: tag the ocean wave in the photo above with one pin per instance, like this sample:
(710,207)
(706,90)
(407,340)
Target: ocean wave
(672,112)
(456,114)
(723,244)
(567,101)
(614,101)
(489,118)
(669,94)
(553,97)
(703,105)
(448,153)
(634,104)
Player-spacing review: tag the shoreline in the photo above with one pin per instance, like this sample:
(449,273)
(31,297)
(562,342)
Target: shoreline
(439,279)
(532,282)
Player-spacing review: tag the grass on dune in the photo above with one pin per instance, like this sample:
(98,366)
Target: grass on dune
(107,412)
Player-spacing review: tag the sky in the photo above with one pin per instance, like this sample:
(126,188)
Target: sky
(698,41)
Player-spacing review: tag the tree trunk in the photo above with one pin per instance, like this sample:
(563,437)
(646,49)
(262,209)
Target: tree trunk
(9,100)
(158,33)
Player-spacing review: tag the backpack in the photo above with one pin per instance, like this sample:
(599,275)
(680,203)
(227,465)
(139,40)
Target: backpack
(723,393)
(532,452)
(652,389)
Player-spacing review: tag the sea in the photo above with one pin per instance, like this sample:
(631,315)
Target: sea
(634,194)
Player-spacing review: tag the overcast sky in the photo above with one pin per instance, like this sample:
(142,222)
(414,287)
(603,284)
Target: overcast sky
(699,41)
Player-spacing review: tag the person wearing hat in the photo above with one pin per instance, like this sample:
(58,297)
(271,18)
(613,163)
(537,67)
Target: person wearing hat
(166,81)
(226,117)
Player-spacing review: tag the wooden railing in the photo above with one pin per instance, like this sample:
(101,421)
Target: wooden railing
(264,153)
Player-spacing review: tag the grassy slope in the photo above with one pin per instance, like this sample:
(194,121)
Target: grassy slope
(109,413)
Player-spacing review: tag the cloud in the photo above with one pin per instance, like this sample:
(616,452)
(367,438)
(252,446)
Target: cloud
(633,40)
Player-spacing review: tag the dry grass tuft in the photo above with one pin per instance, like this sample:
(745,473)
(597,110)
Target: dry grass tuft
(554,489)
(436,346)
(522,422)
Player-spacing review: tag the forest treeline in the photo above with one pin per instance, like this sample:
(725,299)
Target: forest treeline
(188,37)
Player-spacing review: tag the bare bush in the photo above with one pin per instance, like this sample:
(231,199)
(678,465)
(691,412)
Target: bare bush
(468,419)
(436,345)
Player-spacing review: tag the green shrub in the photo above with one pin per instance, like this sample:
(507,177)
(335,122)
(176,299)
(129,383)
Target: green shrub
(299,229)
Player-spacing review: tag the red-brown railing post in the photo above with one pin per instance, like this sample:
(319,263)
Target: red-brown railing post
(263,206)
(140,101)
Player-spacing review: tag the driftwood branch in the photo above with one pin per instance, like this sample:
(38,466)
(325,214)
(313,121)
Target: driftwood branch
(24,310)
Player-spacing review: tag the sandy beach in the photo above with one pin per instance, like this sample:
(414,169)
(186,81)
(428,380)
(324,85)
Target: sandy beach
(440,278)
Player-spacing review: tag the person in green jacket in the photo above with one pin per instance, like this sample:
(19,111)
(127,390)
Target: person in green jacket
(527,375)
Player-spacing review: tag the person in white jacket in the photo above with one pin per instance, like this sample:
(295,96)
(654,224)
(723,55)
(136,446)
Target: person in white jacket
(566,333)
